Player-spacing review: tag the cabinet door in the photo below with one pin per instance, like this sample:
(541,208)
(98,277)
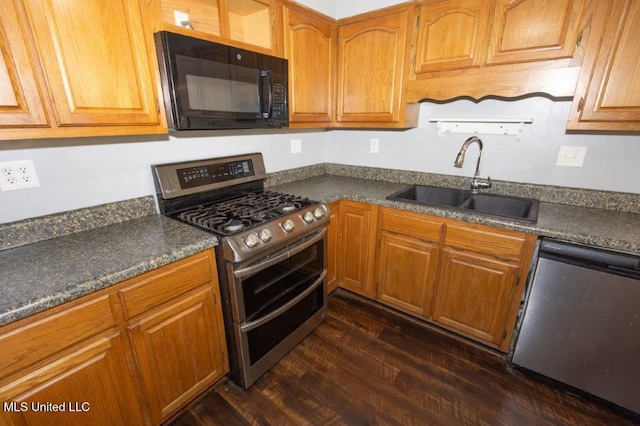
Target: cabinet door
(406,273)
(93,384)
(608,93)
(309,45)
(534,30)
(452,35)
(474,295)
(95,60)
(21,102)
(180,350)
(333,232)
(371,68)
(357,247)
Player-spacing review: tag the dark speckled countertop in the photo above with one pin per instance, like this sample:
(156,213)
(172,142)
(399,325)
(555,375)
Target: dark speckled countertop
(47,273)
(50,260)
(584,225)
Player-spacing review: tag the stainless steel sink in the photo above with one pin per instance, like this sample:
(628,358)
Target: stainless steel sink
(487,204)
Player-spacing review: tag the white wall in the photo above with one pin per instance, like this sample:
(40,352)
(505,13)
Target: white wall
(611,161)
(339,9)
(119,168)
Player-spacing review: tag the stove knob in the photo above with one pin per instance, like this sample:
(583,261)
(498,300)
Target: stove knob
(251,240)
(288,225)
(318,213)
(308,217)
(265,235)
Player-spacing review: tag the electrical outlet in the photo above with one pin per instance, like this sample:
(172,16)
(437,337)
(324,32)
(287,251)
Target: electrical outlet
(18,175)
(572,156)
(375,146)
(296,146)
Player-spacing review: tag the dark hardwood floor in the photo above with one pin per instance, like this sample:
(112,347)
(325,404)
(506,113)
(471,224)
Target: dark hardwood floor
(369,365)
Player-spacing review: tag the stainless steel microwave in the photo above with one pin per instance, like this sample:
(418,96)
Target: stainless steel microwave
(208,85)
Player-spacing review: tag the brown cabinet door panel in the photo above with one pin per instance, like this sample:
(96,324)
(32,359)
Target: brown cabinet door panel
(371,67)
(406,273)
(93,384)
(309,45)
(534,30)
(474,294)
(180,350)
(357,247)
(21,102)
(96,62)
(608,93)
(452,35)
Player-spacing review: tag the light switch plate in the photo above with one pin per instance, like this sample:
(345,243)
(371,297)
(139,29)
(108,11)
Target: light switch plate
(296,146)
(375,146)
(571,156)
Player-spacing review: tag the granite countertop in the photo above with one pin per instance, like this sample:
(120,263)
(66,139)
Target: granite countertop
(583,225)
(38,276)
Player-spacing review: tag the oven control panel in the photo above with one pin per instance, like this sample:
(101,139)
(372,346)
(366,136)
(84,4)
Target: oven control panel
(192,177)
(195,177)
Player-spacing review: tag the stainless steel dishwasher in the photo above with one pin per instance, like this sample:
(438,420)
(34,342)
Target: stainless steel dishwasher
(581,322)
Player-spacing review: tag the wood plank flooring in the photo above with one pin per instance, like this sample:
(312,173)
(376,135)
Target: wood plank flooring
(370,365)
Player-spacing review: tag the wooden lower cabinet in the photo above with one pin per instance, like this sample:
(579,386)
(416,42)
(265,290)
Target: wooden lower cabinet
(332,247)
(90,386)
(130,354)
(406,273)
(407,260)
(173,369)
(356,251)
(465,277)
(474,295)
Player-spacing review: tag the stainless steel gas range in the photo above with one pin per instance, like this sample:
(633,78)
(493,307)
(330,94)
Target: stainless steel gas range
(271,260)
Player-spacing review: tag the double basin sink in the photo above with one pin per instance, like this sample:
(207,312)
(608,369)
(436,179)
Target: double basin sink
(525,209)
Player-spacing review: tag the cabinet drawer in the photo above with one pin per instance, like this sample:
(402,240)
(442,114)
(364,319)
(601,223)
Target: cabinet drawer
(408,223)
(37,340)
(501,244)
(163,284)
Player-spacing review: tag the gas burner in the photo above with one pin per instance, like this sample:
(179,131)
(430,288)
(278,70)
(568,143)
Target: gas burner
(287,207)
(234,225)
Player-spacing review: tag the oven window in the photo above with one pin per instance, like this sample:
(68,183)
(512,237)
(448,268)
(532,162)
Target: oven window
(266,337)
(208,87)
(273,287)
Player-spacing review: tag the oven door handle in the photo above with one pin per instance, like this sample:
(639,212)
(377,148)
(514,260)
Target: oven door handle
(252,269)
(257,323)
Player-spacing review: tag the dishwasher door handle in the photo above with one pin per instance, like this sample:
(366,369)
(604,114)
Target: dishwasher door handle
(590,255)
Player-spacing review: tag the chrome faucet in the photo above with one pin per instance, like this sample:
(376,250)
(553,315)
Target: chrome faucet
(478,182)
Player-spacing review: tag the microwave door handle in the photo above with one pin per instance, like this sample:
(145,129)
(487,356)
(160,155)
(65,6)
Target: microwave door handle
(265,76)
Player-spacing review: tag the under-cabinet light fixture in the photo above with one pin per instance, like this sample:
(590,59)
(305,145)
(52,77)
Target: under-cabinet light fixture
(478,126)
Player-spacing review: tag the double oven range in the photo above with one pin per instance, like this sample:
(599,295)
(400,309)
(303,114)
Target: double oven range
(271,258)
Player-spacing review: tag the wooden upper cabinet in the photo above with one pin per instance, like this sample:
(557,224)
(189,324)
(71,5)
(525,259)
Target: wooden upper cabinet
(480,48)
(309,45)
(21,101)
(608,93)
(95,61)
(534,30)
(452,35)
(239,22)
(372,63)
